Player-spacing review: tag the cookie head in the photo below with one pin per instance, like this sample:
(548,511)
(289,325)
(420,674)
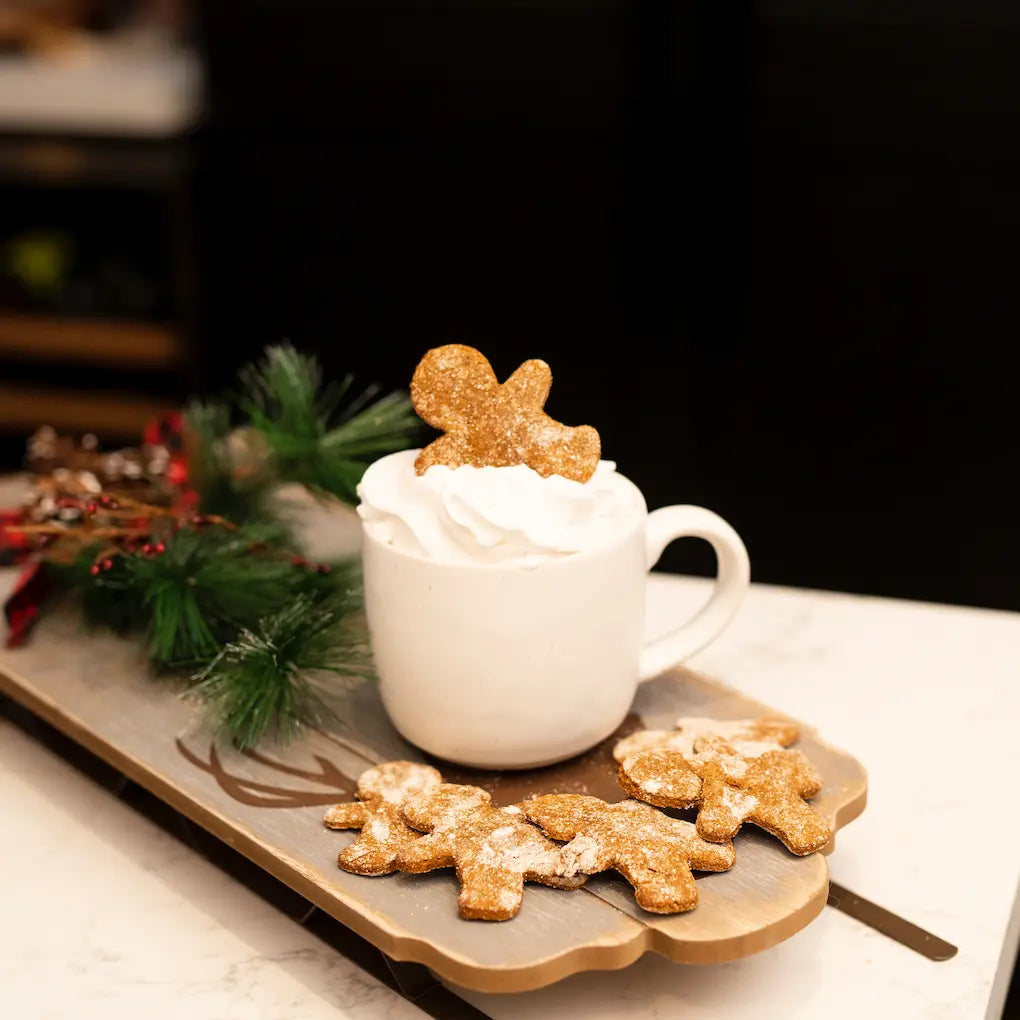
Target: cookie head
(749,737)
(395,781)
(452,385)
(429,808)
(645,740)
(661,777)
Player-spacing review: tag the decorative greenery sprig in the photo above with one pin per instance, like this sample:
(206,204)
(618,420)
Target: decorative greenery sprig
(237,491)
(225,594)
(200,589)
(320,435)
(264,679)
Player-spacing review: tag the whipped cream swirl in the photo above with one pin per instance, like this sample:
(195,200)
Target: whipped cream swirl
(510,516)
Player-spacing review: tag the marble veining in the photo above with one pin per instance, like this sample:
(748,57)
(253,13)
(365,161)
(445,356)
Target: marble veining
(115,918)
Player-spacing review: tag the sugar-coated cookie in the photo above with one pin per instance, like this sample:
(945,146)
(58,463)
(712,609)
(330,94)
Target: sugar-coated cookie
(495,850)
(768,790)
(380,791)
(488,424)
(654,852)
(748,737)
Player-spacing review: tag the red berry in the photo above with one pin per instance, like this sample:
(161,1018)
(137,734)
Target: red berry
(158,548)
(94,569)
(147,549)
(91,508)
(298,561)
(107,564)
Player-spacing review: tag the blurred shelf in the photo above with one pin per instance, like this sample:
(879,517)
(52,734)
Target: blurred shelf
(102,88)
(122,344)
(28,160)
(120,416)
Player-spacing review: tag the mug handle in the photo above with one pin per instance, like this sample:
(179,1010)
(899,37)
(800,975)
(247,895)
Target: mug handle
(734,575)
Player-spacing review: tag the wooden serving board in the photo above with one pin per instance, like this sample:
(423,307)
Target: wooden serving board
(269,804)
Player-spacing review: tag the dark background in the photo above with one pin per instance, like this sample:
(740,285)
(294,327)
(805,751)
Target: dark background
(769,249)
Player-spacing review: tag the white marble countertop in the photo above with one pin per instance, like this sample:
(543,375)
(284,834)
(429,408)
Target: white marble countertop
(126,921)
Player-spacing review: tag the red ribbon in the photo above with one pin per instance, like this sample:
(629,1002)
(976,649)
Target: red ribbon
(14,546)
(23,603)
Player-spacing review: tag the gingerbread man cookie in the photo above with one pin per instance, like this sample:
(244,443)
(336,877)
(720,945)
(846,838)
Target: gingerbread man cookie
(490,425)
(654,852)
(380,791)
(494,850)
(749,737)
(769,790)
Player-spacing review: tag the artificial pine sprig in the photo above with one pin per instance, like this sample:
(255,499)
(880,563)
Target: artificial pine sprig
(264,679)
(228,483)
(206,584)
(319,435)
(253,620)
(223,593)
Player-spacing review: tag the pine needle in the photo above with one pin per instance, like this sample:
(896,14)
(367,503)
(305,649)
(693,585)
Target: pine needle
(239,493)
(237,607)
(207,584)
(318,435)
(262,681)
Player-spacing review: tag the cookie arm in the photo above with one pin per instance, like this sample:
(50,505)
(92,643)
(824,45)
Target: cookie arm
(346,816)
(529,386)
(368,856)
(451,450)
(557,814)
(488,893)
(426,854)
(707,856)
(797,824)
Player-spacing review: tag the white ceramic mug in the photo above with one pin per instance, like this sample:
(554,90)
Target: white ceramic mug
(502,667)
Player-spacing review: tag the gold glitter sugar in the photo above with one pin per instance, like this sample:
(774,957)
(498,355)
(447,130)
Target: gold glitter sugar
(486,424)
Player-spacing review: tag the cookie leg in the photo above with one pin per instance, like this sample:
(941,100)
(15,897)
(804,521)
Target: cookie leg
(367,856)
(796,768)
(797,824)
(661,892)
(723,810)
(488,893)
(712,856)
